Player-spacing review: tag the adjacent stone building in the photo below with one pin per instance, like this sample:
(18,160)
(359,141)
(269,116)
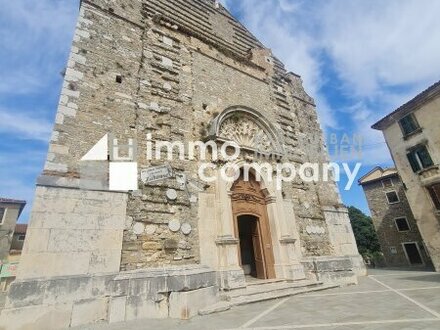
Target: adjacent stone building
(10,210)
(143,72)
(18,237)
(396,228)
(413,137)
(9,266)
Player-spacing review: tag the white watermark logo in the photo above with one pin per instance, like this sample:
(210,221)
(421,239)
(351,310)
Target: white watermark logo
(214,162)
(121,158)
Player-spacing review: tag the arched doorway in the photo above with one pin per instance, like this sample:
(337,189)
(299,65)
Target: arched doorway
(252,228)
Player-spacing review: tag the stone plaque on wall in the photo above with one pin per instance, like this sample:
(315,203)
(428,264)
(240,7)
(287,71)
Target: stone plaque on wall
(156,173)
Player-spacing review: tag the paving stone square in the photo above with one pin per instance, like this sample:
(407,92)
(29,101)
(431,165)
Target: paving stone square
(385,300)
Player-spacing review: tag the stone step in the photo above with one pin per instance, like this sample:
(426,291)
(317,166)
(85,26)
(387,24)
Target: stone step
(253,298)
(270,288)
(262,282)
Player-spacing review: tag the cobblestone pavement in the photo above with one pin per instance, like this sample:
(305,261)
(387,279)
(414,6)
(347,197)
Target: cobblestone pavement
(385,300)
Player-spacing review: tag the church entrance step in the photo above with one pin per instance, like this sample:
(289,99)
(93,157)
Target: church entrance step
(268,287)
(249,295)
(255,281)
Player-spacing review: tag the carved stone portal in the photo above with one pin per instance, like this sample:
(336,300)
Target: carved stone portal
(246,132)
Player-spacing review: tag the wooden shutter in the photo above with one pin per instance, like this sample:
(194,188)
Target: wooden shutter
(424,157)
(408,124)
(434,191)
(413,161)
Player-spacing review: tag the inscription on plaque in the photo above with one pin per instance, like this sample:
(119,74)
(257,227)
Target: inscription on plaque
(156,173)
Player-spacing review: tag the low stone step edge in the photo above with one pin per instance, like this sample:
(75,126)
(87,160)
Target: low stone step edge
(226,305)
(286,286)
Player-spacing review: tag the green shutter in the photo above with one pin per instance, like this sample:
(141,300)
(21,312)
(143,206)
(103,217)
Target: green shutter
(408,124)
(405,126)
(413,161)
(434,191)
(424,157)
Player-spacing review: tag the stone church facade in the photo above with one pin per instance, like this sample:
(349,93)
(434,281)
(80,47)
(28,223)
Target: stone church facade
(177,71)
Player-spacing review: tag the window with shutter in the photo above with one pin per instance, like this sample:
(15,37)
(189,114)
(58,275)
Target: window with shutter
(434,191)
(419,158)
(424,157)
(408,124)
(413,162)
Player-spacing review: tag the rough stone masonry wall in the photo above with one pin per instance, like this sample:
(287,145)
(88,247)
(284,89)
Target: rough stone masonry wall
(172,84)
(190,83)
(384,214)
(164,113)
(133,71)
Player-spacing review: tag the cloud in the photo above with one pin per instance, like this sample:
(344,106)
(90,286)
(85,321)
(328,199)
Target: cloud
(290,5)
(20,164)
(33,36)
(376,44)
(359,59)
(21,126)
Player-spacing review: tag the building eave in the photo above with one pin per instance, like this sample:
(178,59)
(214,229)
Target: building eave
(361,181)
(22,203)
(412,105)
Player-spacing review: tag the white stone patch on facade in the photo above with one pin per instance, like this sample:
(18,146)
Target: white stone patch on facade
(167,86)
(59,149)
(186,228)
(68,92)
(85,21)
(78,58)
(69,112)
(171,194)
(123,95)
(56,167)
(72,105)
(142,105)
(138,228)
(82,34)
(193,199)
(59,119)
(167,62)
(55,135)
(154,106)
(150,229)
(174,225)
(71,64)
(50,156)
(64,99)
(167,41)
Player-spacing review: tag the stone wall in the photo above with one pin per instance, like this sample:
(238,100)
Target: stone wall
(172,84)
(132,72)
(84,236)
(69,301)
(384,215)
(166,69)
(428,218)
(8,227)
